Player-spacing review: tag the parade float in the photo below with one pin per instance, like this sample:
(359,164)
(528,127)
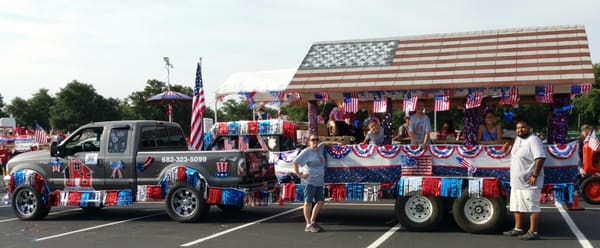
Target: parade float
(472,71)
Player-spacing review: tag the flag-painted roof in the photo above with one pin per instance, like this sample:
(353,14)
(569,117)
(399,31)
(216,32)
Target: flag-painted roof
(524,57)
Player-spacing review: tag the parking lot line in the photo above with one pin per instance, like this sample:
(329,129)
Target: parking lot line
(53,213)
(385,236)
(239,227)
(583,241)
(96,227)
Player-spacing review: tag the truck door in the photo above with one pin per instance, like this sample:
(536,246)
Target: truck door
(118,161)
(80,167)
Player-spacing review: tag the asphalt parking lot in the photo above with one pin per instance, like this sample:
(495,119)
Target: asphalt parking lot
(346,224)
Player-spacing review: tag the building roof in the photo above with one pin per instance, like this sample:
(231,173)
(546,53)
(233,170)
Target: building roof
(524,57)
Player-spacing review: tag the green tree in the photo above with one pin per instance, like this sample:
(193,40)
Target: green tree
(77,104)
(296,112)
(235,110)
(20,110)
(36,109)
(2,113)
(39,106)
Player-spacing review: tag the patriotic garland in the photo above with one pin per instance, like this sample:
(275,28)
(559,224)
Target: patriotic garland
(469,151)
(413,151)
(560,151)
(441,151)
(363,150)
(496,152)
(389,151)
(338,151)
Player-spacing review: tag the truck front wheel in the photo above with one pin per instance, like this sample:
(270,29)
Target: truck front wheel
(478,214)
(419,213)
(185,204)
(27,203)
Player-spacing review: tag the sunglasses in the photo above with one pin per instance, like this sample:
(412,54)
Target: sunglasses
(314,139)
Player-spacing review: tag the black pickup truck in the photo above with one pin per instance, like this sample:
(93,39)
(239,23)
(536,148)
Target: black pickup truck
(120,162)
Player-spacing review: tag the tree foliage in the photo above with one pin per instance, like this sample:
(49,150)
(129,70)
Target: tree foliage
(78,103)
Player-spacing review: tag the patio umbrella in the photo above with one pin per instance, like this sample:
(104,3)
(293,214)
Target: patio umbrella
(169,97)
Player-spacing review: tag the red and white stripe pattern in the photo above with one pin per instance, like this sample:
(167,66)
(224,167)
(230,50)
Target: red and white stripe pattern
(198,107)
(510,97)
(350,103)
(40,136)
(474,100)
(544,94)
(410,104)
(441,103)
(592,141)
(557,55)
(380,105)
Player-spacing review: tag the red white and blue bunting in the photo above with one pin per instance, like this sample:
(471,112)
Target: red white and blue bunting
(560,151)
(496,152)
(413,151)
(389,151)
(338,151)
(441,151)
(469,151)
(363,150)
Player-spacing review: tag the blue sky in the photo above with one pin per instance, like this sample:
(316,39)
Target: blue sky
(118,45)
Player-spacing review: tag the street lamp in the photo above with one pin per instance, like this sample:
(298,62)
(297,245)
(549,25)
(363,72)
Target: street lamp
(168,65)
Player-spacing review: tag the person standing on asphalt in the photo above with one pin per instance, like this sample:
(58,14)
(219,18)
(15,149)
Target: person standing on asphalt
(313,161)
(526,181)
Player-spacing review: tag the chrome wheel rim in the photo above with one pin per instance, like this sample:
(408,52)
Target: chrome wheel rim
(184,202)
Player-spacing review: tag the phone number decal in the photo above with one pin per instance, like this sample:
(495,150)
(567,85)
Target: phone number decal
(183,159)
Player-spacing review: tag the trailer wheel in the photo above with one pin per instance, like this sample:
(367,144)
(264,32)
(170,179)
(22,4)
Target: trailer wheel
(27,203)
(185,204)
(590,190)
(229,208)
(478,214)
(419,213)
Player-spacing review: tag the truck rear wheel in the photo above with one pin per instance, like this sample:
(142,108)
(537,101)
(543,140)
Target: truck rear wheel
(27,203)
(590,190)
(185,204)
(478,214)
(419,213)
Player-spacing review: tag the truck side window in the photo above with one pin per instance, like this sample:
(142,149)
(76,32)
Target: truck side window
(117,142)
(86,140)
(154,138)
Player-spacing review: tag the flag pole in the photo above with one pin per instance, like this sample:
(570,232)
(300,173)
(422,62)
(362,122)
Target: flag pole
(216,108)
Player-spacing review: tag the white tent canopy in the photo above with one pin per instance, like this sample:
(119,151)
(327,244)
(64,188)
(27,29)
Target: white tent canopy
(262,84)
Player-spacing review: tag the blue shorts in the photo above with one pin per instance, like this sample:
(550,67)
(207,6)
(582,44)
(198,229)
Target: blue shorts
(313,193)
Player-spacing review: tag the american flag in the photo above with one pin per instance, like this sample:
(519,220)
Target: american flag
(592,140)
(510,97)
(465,163)
(380,105)
(350,103)
(473,100)
(410,104)
(40,135)
(581,89)
(557,55)
(441,103)
(544,93)
(198,107)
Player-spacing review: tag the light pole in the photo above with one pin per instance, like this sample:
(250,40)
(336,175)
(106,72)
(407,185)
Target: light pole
(168,65)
